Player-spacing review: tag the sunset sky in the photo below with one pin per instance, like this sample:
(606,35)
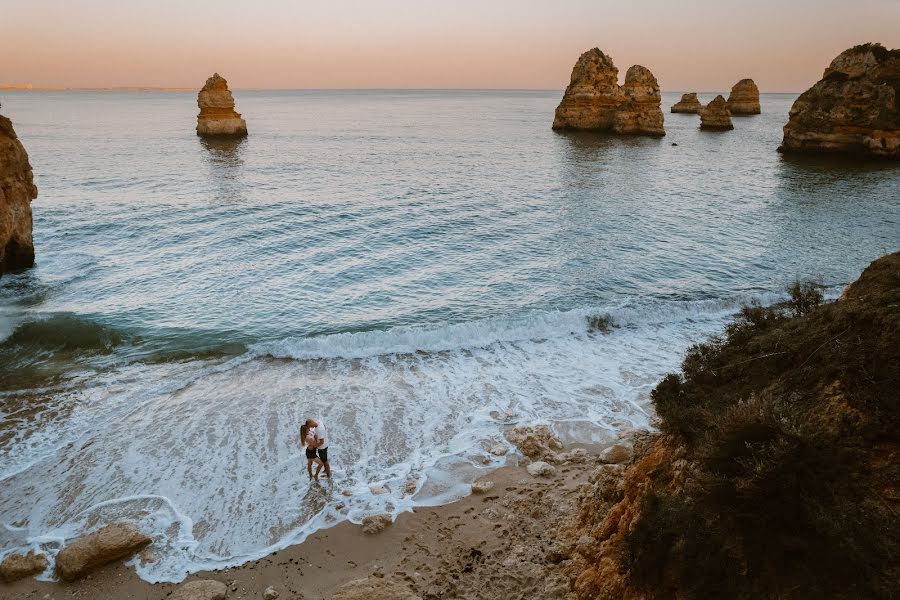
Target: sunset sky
(701,45)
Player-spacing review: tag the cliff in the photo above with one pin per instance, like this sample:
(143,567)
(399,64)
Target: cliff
(689,103)
(777,470)
(217,116)
(716,115)
(744,98)
(594,100)
(17,190)
(853,109)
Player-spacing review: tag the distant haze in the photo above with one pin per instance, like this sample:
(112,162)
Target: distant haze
(700,45)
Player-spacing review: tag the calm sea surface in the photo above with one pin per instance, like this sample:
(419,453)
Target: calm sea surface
(418,268)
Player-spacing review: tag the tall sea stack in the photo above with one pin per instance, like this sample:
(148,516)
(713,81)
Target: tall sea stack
(853,109)
(744,98)
(217,116)
(594,101)
(17,190)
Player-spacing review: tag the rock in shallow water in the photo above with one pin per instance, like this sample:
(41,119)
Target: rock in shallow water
(217,115)
(744,98)
(375,523)
(853,109)
(17,190)
(19,566)
(113,542)
(689,103)
(715,115)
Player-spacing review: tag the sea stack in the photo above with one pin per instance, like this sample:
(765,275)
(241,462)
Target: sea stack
(744,98)
(689,103)
(17,190)
(715,115)
(217,116)
(853,109)
(594,101)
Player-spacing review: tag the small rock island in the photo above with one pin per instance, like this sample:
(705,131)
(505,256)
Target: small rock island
(716,116)
(853,109)
(689,104)
(744,98)
(594,100)
(217,115)
(17,190)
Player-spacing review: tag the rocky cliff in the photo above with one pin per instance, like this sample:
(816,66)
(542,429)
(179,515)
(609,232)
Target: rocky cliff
(689,103)
(595,101)
(217,116)
(17,190)
(776,472)
(744,98)
(716,115)
(853,109)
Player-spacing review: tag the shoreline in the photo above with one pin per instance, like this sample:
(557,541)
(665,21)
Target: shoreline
(429,550)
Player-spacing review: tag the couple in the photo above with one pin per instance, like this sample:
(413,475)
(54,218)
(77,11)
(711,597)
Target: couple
(312,436)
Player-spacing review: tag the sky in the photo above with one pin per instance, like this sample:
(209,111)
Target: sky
(690,45)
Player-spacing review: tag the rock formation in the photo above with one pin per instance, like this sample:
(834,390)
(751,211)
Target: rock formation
(716,116)
(115,541)
(688,104)
(17,190)
(595,101)
(853,109)
(204,589)
(217,116)
(19,566)
(744,98)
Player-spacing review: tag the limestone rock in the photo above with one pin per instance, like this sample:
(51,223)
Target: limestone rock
(616,454)
(17,190)
(270,593)
(217,116)
(19,566)
(541,469)
(534,442)
(689,103)
(744,98)
(205,589)
(115,541)
(595,101)
(853,109)
(715,115)
(499,450)
(374,588)
(375,523)
(482,487)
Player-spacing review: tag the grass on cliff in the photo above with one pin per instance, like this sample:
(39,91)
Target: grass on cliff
(790,424)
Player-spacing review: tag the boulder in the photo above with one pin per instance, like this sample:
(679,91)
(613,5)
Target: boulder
(375,523)
(482,487)
(374,588)
(113,542)
(689,103)
(744,98)
(853,109)
(19,566)
(17,190)
(715,115)
(205,589)
(594,100)
(616,454)
(270,593)
(534,442)
(541,469)
(217,116)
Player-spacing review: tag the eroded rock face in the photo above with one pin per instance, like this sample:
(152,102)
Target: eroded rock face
(374,588)
(115,541)
(689,103)
(595,101)
(853,109)
(19,566)
(217,116)
(744,98)
(17,190)
(716,116)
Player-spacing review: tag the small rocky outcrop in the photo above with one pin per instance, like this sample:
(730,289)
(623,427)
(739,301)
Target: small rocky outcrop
(113,542)
(853,109)
(19,566)
(594,101)
(716,116)
(744,98)
(374,588)
(205,589)
(689,103)
(534,442)
(217,116)
(17,190)
(376,523)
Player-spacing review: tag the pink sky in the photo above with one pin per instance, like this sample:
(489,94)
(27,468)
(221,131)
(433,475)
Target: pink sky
(701,45)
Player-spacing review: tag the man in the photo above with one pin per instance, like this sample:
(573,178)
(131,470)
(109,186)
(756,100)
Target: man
(318,429)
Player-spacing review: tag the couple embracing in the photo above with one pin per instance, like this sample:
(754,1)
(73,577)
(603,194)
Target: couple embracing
(312,436)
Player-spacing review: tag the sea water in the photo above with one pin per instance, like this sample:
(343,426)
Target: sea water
(420,269)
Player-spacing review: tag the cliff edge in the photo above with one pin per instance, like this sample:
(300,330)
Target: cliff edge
(17,190)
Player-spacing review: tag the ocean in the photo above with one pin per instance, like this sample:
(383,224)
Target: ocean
(420,269)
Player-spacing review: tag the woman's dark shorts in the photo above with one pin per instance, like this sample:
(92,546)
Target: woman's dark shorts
(310,453)
(323,454)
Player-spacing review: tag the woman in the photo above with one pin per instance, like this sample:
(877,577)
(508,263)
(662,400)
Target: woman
(308,441)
